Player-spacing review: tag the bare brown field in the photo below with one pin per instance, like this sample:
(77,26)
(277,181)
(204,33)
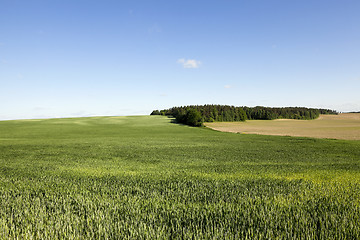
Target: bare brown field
(342,126)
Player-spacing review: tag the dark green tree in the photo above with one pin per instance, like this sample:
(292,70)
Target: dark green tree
(193,118)
(195,115)
(155,112)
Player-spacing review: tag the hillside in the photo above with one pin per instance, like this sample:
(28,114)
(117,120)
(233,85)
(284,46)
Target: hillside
(145,178)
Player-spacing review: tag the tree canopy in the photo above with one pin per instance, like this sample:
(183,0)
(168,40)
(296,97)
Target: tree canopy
(195,115)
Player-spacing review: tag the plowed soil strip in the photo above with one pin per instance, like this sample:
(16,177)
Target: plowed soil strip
(342,126)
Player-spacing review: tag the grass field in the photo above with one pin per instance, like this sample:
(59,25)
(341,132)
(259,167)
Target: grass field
(342,126)
(147,178)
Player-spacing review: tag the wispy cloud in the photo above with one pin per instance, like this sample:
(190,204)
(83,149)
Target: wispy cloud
(227,86)
(189,63)
(155,28)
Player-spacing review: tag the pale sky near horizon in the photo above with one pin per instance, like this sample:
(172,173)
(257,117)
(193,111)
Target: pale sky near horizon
(74,58)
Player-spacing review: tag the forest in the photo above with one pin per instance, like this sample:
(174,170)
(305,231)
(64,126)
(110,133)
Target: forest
(196,115)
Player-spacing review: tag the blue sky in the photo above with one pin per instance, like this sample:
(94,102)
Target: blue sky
(85,58)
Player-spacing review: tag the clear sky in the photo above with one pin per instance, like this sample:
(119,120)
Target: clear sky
(72,58)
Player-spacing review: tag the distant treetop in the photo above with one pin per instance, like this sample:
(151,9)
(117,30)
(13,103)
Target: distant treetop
(196,115)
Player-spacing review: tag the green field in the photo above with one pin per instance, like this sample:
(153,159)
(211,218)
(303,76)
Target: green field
(147,178)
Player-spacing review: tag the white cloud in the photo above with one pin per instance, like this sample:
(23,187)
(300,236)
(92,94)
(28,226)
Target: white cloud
(189,63)
(227,86)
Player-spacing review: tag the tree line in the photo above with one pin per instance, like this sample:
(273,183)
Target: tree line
(196,115)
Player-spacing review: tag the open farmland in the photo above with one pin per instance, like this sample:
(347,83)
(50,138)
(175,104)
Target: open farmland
(342,126)
(147,178)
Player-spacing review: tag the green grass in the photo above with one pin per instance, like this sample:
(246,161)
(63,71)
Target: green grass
(147,178)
